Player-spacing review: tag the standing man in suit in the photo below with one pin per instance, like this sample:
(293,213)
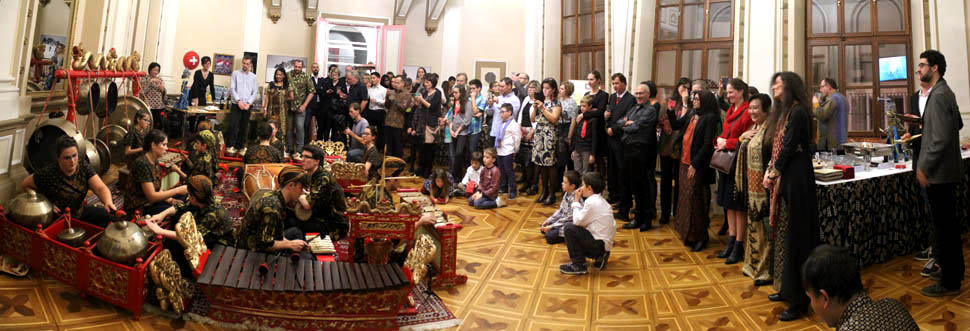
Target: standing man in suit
(315,109)
(940,168)
(620,103)
(640,157)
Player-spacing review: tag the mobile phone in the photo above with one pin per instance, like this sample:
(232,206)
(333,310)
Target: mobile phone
(724,81)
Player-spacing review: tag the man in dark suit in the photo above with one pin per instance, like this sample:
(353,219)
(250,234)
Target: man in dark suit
(640,157)
(314,108)
(620,103)
(939,168)
(352,91)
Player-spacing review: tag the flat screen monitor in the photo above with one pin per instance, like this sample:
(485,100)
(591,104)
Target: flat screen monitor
(892,68)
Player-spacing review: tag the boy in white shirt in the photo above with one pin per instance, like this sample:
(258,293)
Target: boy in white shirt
(507,143)
(473,175)
(591,233)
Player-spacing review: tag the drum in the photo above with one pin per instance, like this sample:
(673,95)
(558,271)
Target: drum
(42,143)
(114,137)
(260,176)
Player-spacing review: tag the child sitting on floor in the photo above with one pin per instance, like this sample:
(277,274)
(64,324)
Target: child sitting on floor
(438,186)
(486,195)
(472,176)
(553,225)
(590,235)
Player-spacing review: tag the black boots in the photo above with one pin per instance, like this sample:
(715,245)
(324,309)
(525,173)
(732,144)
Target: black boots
(727,249)
(737,254)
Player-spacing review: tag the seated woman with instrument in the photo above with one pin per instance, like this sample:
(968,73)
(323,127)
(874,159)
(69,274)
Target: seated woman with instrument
(143,191)
(373,158)
(325,200)
(263,152)
(135,138)
(211,219)
(202,160)
(66,184)
(263,226)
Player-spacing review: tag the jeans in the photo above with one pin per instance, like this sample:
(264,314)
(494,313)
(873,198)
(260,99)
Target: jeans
(482,203)
(581,162)
(238,119)
(507,178)
(553,237)
(946,233)
(460,157)
(355,155)
(294,136)
(473,140)
(308,116)
(581,244)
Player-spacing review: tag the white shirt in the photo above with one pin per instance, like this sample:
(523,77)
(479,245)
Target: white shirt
(495,109)
(510,141)
(379,94)
(922,100)
(596,215)
(472,175)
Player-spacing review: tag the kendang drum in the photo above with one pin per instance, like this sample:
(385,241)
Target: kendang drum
(260,176)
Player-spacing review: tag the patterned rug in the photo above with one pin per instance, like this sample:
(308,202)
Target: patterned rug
(432,313)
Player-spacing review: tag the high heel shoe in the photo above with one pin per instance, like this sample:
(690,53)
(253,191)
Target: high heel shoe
(737,254)
(727,249)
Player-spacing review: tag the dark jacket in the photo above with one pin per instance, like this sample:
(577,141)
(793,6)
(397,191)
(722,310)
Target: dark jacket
(618,110)
(702,143)
(591,140)
(600,101)
(643,130)
(940,159)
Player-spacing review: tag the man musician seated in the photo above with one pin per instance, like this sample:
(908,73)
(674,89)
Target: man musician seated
(325,199)
(66,184)
(264,225)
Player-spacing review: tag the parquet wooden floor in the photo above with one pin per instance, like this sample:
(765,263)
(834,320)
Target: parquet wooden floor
(652,283)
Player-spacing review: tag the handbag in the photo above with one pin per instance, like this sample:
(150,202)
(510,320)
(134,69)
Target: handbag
(723,160)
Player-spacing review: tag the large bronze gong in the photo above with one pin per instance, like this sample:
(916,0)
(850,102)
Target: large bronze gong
(103,153)
(42,143)
(114,138)
(127,107)
(109,99)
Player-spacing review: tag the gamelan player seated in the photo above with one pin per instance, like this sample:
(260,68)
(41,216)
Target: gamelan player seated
(143,191)
(425,225)
(66,184)
(265,221)
(325,200)
(211,220)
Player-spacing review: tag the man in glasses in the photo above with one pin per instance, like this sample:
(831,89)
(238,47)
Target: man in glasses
(325,199)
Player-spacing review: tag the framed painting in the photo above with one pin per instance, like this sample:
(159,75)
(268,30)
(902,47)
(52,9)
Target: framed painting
(490,71)
(222,64)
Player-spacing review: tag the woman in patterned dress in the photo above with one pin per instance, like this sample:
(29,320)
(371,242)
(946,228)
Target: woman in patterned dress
(153,93)
(749,171)
(545,119)
(278,95)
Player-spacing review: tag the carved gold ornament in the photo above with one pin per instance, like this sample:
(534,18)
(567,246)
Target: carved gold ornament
(172,291)
(422,253)
(189,236)
(349,171)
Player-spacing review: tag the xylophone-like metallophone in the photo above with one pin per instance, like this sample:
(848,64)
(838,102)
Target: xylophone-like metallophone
(268,290)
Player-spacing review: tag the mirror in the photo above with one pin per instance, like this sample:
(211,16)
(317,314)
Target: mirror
(50,47)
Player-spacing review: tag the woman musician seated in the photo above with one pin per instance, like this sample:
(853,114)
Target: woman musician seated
(66,184)
(203,158)
(211,219)
(143,191)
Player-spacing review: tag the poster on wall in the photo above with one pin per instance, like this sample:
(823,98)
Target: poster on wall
(273,61)
(54,46)
(222,64)
(489,71)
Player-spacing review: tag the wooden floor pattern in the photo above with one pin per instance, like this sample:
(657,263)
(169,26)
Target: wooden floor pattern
(652,283)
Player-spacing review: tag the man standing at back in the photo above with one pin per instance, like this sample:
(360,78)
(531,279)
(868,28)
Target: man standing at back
(315,109)
(242,89)
(303,92)
(620,103)
(508,96)
(833,117)
(640,157)
(376,111)
(940,168)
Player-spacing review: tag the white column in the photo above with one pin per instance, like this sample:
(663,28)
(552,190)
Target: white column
(618,44)
(165,54)
(13,24)
(252,29)
(451,24)
(533,39)
(644,36)
(950,36)
(121,22)
(761,42)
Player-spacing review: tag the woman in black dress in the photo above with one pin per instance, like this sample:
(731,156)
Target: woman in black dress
(600,101)
(424,123)
(203,79)
(791,182)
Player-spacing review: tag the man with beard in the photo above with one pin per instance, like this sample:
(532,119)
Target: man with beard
(303,90)
(352,91)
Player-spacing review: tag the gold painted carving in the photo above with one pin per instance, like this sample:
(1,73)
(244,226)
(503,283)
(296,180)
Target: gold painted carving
(422,253)
(171,290)
(382,226)
(108,280)
(349,171)
(189,236)
(59,261)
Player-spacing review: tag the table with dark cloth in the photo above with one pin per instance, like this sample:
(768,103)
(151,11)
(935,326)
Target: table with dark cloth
(882,217)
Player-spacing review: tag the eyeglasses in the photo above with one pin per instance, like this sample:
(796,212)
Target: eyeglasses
(365,134)
(308,156)
(921,65)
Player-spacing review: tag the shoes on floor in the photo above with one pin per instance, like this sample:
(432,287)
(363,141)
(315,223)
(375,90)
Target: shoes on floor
(727,249)
(929,267)
(297,157)
(791,314)
(737,254)
(573,269)
(664,220)
(762,282)
(632,225)
(936,275)
(600,263)
(776,297)
(622,215)
(646,226)
(723,230)
(924,254)
(499,202)
(699,246)
(512,196)
(937,290)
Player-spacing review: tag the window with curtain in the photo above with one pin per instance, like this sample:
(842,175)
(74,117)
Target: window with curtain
(694,39)
(583,38)
(864,45)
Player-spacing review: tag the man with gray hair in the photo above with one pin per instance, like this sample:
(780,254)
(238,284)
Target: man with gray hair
(522,85)
(352,91)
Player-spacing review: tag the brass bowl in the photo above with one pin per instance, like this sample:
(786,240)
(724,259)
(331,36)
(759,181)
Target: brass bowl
(29,209)
(122,242)
(73,237)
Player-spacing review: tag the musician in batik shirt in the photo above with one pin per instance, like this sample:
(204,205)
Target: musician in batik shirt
(66,184)
(264,225)
(211,220)
(143,190)
(833,283)
(202,160)
(263,152)
(326,197)
(135,138)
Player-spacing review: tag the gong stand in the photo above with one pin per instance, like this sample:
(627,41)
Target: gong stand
(75,76)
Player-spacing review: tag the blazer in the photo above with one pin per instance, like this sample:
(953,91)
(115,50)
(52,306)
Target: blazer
(940,156)
(618,109)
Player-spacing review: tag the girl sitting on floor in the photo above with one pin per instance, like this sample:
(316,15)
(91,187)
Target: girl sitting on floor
(438,186)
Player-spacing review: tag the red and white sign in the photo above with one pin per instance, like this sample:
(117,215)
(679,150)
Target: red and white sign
(191,60)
